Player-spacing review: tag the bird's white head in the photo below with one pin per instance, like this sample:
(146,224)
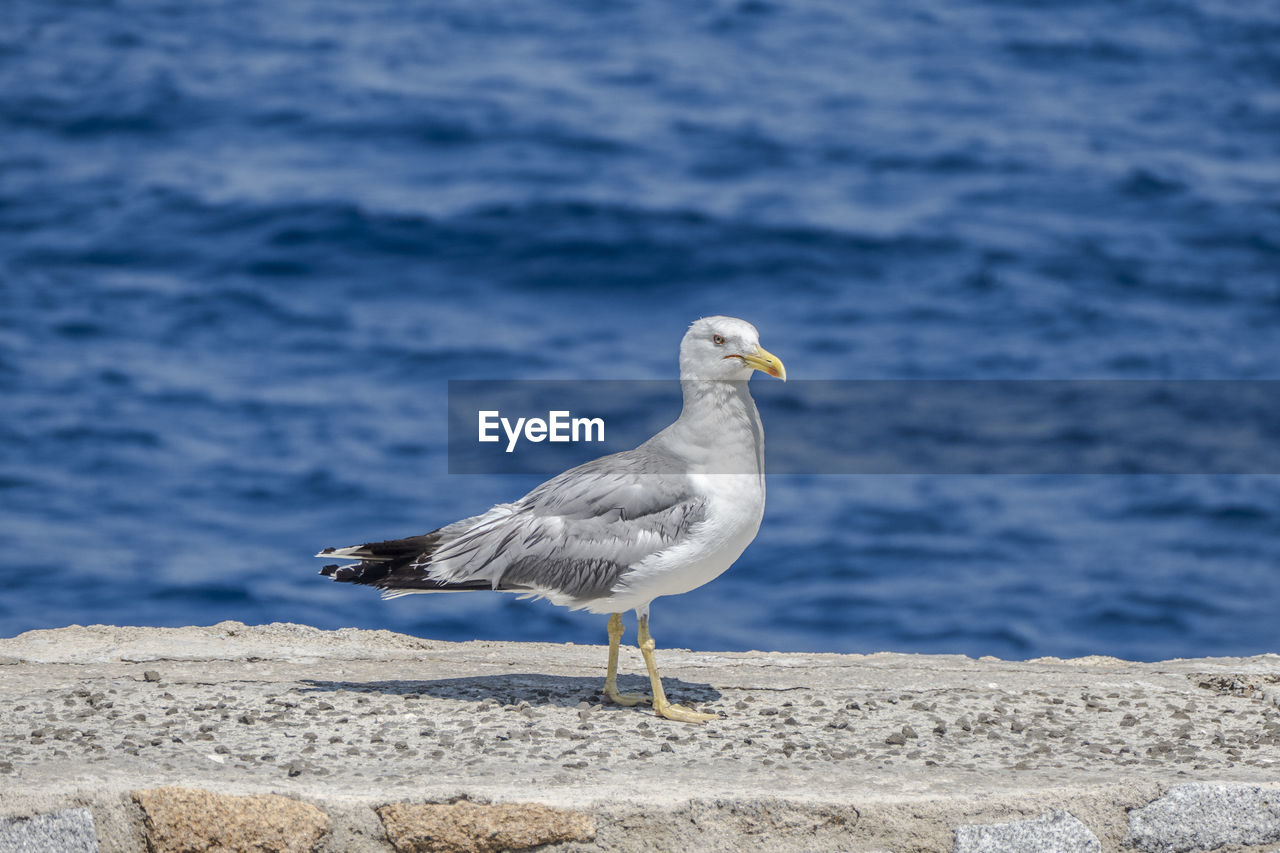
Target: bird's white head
(725,348)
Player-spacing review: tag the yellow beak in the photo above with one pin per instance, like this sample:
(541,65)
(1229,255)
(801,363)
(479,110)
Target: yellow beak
(764,360)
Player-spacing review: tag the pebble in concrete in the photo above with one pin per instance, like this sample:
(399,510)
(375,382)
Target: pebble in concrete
(66,831)
(1205,817)
(1052,832)
(192,820)
(466,827)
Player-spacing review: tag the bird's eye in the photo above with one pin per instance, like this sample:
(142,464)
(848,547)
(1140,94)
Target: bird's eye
(718,340)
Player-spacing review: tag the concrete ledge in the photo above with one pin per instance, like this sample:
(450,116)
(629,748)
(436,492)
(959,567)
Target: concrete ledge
(817,752)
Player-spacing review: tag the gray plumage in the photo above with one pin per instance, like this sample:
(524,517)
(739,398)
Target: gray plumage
(574,537)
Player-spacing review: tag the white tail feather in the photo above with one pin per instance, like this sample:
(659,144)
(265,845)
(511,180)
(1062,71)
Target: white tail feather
(355,552)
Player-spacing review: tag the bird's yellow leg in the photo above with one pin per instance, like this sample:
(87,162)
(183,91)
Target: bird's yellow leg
(611,676)
(660,703)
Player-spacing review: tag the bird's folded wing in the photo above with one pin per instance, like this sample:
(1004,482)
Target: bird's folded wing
(579,533)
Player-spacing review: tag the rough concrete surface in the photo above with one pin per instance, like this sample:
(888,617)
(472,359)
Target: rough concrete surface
(1052,832)
(827,752)
(185,820)
(66,831)
(1206,817)
(465,827)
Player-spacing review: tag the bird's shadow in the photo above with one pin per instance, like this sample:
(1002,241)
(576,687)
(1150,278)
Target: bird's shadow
(514,688)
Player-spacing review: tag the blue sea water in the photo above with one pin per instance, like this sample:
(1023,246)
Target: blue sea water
(244,246)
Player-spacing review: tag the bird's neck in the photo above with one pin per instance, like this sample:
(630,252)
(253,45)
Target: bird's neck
(719,427)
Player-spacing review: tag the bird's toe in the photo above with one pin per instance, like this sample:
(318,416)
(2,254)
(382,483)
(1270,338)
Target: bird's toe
(681,714)
(627,699)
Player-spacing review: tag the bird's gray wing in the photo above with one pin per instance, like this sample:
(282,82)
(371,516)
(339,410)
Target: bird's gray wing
(578,534)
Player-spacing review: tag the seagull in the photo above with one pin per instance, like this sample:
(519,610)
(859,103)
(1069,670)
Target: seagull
(614,533)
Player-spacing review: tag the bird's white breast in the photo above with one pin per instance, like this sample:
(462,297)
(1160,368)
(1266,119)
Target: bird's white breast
(735,506)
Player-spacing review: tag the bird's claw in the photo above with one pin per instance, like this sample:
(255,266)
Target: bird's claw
(681,714)
(627,699)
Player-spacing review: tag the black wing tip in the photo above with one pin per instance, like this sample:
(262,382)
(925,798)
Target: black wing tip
(380,560)
(344,574)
